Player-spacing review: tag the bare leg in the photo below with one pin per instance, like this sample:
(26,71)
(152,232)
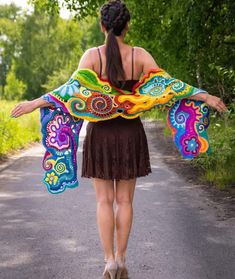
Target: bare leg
(105,215)
(124,214)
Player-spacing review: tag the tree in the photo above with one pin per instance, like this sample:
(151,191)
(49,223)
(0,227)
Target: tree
(48,43)
(9,36)
(15,88)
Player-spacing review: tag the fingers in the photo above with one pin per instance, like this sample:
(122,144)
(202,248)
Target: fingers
(17,111)
(224,107)
(17,114)
(221,106)
(217,103)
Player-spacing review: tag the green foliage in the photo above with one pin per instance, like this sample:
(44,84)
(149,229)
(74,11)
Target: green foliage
(48,44)
(219,167)
(17,132)
(50,6)
(57,78)
(9,36)
(15,88)
(82,8)
(190,39)
(10,11)
(92,35)
(155,114)
(43,46)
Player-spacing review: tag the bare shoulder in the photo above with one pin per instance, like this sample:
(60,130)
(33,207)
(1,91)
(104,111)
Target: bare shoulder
(91,52)
(141,51)
(145,59)
(88,58)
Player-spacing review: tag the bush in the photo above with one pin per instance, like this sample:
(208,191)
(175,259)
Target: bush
(219,167)
(17,132)
(15,88)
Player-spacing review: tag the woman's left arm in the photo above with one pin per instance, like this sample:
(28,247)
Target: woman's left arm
(212,101)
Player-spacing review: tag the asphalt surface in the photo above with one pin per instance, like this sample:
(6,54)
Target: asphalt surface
(176,231)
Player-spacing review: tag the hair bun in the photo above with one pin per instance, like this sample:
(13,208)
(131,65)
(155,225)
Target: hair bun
(115,15)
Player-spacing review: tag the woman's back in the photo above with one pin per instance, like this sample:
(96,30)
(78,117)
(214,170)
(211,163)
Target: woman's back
(136,61)
(128,61)
(116,148)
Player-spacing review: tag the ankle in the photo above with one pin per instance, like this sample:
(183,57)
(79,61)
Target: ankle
(110,258)
(120,257)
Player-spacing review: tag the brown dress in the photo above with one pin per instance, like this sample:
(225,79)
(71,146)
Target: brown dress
(116,148)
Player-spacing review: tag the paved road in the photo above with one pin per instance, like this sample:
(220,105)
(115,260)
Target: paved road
(176,233)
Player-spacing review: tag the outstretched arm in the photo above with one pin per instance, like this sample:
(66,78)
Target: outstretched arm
(28,107)
(213,101)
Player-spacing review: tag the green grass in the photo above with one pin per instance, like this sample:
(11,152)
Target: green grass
(16,133)
(219,166)
(154,114)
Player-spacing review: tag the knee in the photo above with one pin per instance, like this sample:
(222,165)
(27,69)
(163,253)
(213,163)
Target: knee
(123,200)
(105,201)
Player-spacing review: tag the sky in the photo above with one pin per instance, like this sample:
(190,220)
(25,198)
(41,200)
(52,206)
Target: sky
(23,3)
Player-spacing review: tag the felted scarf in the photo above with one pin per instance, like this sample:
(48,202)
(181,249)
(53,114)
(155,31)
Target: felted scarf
(87,97)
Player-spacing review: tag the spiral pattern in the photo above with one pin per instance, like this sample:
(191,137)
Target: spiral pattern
(47,164)
(201,127)
(77,104)
(60,168)
(86,92)
(180,118)
(100,104)
(205,109)
(157,90)
(106,88)
(178,85)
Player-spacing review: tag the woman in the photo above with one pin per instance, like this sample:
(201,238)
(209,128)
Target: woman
(115,151)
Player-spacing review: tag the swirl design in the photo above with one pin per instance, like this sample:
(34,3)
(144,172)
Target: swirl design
(178,85)
(85,92)
(155,87)
(106,88)
(201,127)
(76,105)
(188,125)
(60,168)
(180,118)
(100,104)
(88,97)
(48,164)
(60,138)
(58,132)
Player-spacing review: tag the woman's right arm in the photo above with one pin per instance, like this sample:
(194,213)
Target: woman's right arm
(29,106)
(211,100)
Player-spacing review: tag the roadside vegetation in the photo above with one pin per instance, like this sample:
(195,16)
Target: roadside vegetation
(16,133)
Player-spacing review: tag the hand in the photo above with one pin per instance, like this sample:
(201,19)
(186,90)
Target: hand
(216,103)
(23,108)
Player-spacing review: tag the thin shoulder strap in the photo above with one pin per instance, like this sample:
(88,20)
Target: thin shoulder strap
(132,62)
(100,61)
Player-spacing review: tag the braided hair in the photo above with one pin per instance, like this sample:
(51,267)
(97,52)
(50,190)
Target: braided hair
(114,17)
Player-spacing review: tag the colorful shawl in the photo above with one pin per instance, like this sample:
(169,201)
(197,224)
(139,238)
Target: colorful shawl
(86,96)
